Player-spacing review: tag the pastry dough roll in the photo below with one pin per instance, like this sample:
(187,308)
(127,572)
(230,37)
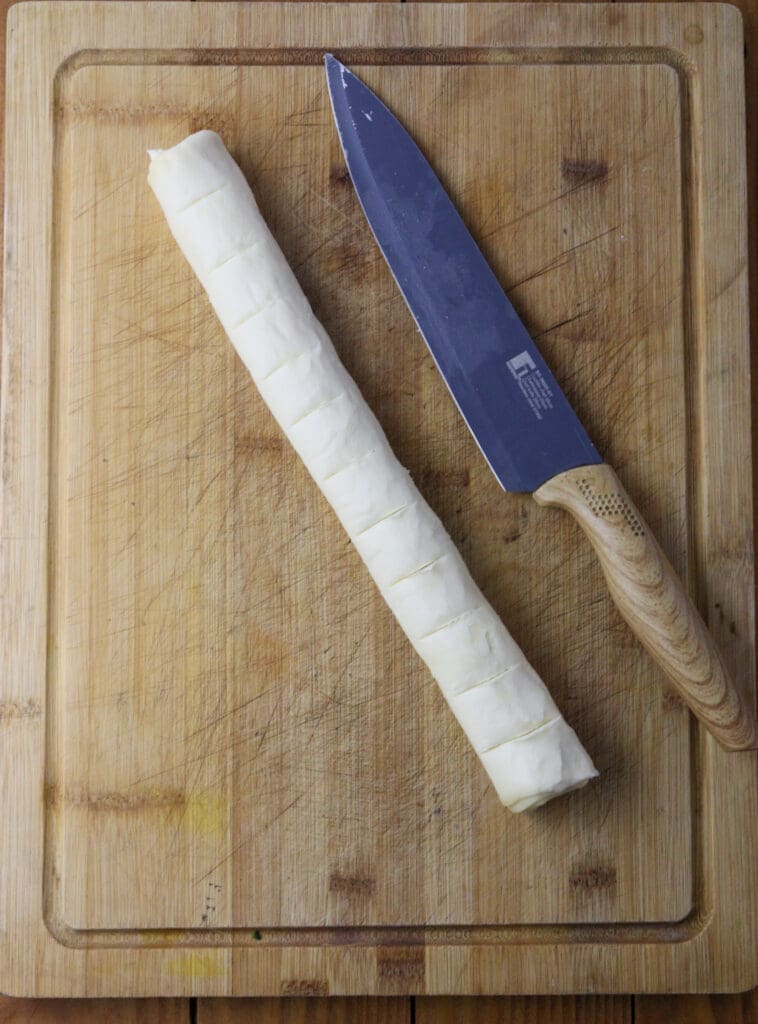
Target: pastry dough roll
(527,749)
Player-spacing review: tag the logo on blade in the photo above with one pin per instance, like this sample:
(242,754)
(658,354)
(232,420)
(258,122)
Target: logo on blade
(521,364)
(531,383)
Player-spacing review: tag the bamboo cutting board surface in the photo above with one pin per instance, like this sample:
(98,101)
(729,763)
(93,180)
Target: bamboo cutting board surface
(226,770)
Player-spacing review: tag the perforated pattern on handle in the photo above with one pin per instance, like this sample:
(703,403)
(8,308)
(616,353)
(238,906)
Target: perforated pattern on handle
(610,505)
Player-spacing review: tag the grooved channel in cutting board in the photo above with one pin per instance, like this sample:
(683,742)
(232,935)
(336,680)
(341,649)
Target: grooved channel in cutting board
(282,764)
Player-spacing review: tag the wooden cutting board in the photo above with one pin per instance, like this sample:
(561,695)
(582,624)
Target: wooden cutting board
(224,769)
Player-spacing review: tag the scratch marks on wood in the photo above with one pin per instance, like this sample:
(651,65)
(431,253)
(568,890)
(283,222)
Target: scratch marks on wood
(248,839)
(559,324)
(104,197)
(561,260)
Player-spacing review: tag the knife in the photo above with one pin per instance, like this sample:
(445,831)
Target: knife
(521,420)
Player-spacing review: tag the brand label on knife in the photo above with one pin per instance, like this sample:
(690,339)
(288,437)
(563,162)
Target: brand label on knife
(533,385)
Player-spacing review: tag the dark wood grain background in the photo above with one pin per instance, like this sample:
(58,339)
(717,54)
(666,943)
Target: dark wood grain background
(628,1009)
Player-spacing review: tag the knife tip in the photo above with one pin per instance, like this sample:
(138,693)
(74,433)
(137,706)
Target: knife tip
(333,68)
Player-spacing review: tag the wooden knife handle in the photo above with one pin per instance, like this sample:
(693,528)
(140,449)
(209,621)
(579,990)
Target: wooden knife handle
(652,599)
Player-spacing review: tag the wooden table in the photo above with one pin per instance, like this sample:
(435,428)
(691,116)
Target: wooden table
(734,1009)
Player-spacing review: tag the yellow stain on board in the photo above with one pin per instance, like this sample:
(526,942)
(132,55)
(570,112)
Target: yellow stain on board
(207,815)
(198,965)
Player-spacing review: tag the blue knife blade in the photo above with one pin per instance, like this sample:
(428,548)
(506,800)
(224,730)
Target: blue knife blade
(514,407)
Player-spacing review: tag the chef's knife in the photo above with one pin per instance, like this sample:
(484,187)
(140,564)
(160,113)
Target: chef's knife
(520,418)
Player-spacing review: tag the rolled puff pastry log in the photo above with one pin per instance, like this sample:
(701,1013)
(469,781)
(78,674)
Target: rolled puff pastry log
(527,749)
